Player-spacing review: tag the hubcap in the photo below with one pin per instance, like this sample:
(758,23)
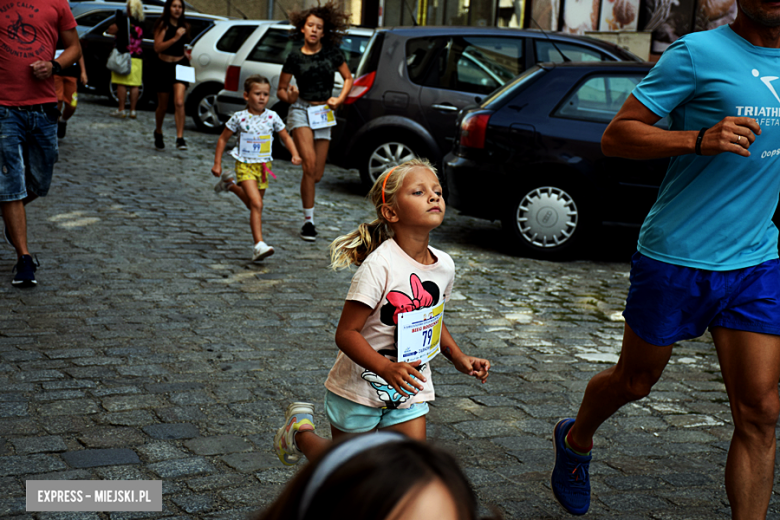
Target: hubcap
(207,114)
(547,217)
(387,156)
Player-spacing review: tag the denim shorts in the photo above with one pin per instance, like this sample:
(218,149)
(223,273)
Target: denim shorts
(28,151)
(298,116)
(668,303)
(351,417)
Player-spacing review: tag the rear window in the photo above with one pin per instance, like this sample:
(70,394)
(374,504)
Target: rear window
(598,98)
(509,91)
(234,37)
(475,64)
(546,51)
(276,44)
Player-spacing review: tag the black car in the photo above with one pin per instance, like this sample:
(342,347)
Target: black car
(96,45)
(412,82)
(530,156)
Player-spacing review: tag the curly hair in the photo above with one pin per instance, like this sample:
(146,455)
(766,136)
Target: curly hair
(336,21)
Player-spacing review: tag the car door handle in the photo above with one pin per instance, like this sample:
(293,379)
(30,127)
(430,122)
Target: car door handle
(445,108)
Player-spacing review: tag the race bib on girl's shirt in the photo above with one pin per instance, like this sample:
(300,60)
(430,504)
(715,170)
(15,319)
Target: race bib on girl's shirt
(255,135)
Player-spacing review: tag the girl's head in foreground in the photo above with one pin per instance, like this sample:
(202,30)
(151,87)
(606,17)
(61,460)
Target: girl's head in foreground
(322,22)
(257,90)
(407,197)
(383,476)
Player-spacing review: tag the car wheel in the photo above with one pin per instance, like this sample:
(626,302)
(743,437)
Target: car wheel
(382,155)
(204,113)
(546,221)
(141,99)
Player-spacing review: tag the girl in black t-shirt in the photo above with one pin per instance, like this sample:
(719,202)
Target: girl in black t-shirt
(313,66)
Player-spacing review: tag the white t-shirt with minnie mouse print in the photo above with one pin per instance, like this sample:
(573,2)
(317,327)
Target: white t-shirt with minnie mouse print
(265,124)
(390,281)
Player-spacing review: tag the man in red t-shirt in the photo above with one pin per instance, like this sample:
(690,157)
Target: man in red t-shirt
(29,32)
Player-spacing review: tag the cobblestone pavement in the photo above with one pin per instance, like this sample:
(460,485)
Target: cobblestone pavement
(152,348)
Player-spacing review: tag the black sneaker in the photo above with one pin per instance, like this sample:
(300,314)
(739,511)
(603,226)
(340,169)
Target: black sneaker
(62,127)
(308,232)
(158,141)
(181,144)
(25,272)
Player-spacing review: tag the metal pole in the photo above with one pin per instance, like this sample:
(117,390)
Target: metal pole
(270,9)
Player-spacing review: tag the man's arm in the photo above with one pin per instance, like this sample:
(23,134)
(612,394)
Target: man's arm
(631,135)
(70,55)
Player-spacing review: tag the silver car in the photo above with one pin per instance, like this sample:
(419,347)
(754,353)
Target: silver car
(265,52)
(211,55)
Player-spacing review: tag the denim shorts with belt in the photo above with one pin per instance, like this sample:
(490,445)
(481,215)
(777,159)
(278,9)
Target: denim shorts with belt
(28,150)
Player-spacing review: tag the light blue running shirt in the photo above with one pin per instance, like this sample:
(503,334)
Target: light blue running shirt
(715,212)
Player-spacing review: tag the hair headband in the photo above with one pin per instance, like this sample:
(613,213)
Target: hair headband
(339,456)
(385,183)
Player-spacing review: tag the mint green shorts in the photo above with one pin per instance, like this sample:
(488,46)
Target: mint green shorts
(351,417)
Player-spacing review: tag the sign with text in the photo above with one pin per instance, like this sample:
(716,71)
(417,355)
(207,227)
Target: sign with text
(94,495)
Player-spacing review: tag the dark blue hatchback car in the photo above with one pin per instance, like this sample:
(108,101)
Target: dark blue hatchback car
(530,156)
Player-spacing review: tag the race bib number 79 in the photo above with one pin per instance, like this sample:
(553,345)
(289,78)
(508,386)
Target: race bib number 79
(419,334)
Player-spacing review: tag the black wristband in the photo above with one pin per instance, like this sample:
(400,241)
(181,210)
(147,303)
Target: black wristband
(56,68)
(698,140)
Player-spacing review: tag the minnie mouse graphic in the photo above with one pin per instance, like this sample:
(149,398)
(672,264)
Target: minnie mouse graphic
(424,295)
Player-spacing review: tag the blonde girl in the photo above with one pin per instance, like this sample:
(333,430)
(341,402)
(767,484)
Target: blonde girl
(255,127)
(367,388)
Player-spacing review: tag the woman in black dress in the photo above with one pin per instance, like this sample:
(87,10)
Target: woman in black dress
(313,65)
(171,33)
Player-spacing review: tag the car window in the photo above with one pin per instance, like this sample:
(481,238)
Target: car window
(546,51)
(234,37)
(93,18)
(477,64)
(599,98)
(353,47)
(276,44)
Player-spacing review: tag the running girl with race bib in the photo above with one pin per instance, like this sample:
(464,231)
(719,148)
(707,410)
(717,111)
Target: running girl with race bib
(255,127)
(400,279)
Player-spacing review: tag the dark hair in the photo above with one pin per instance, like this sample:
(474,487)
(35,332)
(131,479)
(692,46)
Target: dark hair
(255,78)
(165,19)
(336,22)
(369,486)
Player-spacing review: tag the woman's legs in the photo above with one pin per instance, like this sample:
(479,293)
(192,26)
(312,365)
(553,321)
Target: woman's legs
(179,89)
(121,94)
(304,142)
(133,98)
(162,108)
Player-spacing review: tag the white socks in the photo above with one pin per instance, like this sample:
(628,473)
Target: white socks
(308,215)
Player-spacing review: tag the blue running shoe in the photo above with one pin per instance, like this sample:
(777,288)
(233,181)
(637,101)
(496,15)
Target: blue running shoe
(570,478)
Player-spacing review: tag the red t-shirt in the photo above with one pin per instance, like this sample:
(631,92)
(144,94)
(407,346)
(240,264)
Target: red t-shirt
(29,30)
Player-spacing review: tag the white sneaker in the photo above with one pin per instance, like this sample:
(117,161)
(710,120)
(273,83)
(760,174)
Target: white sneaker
(261,251)
(298,417)
(119,114)
(224,183)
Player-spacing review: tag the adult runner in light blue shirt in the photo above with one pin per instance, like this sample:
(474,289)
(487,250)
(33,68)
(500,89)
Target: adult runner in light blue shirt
(708,250)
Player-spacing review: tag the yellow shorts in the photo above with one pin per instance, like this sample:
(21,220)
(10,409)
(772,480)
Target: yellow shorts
(253,172)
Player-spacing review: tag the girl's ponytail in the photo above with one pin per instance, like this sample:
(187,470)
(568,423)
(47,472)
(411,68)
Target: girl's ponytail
(354,247)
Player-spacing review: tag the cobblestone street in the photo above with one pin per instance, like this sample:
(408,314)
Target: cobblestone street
(153,349)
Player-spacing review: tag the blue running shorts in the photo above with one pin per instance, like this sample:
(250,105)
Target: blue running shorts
(351,417)
(669,303)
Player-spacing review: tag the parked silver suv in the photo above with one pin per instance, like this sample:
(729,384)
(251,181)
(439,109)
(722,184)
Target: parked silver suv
(265,52)
(211,55)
